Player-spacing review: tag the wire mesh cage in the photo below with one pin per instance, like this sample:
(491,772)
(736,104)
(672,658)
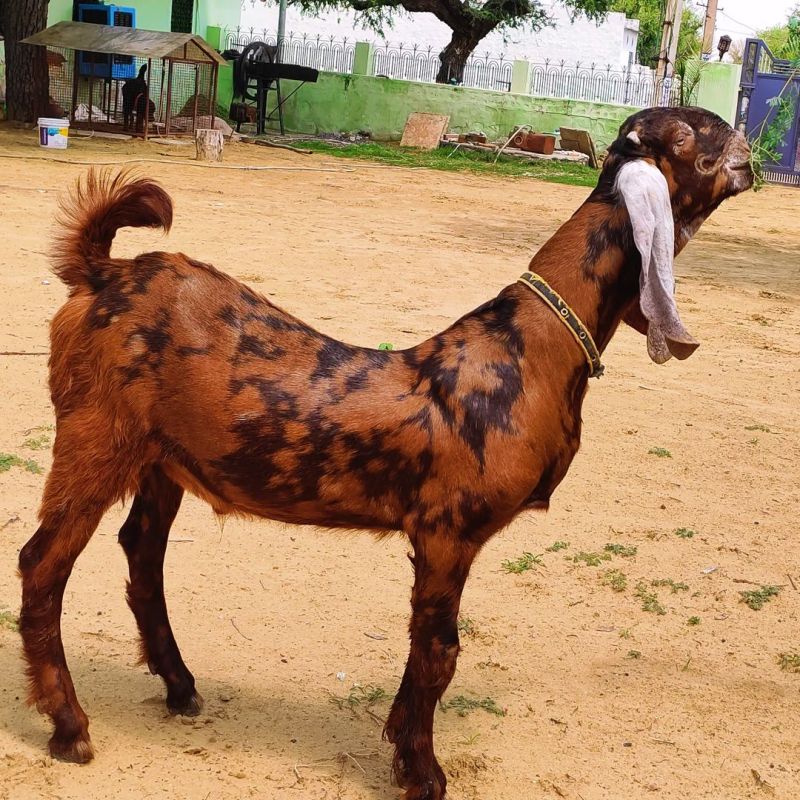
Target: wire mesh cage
(164,96)
(135,82)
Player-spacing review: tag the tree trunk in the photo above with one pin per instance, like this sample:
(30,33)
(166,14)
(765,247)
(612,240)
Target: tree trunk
(209,143)
(455,54)
(27,83)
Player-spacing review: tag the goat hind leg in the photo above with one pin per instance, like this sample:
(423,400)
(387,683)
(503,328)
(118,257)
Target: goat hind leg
(441,567)
(45,564)
(144,539)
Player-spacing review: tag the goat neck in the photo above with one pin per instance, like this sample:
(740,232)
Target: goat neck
(591,262)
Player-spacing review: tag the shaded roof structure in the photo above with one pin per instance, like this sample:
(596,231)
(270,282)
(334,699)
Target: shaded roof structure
(126,41)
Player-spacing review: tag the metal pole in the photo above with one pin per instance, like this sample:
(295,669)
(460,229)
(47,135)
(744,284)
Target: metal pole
(669,38)
(676,34)
(281,28)
(710,25)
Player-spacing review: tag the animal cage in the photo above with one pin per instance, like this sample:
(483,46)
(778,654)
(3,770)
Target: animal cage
(172,91)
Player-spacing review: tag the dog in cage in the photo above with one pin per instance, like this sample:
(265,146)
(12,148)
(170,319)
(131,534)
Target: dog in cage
(135,101)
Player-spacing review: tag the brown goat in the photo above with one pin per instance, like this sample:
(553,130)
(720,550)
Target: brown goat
(167,375)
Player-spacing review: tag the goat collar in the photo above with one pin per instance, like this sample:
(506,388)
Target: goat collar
(571,321)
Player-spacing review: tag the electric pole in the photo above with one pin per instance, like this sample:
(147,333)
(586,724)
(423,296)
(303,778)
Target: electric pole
(708,29)
(669,38)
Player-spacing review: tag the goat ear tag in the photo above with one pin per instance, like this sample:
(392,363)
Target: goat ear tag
(644,190)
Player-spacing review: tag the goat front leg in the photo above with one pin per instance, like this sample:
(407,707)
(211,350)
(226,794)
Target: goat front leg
(441,565)
(144,539)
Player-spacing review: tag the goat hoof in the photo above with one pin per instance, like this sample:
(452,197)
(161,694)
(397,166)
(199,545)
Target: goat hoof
(430,789)
(77,750)
(186,708)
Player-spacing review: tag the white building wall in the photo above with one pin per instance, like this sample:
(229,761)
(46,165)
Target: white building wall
(611,42)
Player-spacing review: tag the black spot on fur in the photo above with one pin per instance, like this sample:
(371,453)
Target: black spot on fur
(498,318)
(250,297)
(253,346)
(358,380)
(188,350)
(229,316)
(330,357)
(485,411)
(153,341)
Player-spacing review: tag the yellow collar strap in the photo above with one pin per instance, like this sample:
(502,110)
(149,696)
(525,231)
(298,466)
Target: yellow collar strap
(539,286)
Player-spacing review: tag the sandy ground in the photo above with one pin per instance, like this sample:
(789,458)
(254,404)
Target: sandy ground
(603,699)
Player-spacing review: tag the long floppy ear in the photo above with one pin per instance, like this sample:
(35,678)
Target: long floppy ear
(645,193)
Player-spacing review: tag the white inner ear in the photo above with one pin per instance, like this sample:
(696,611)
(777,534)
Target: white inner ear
(634,137)
(645,193)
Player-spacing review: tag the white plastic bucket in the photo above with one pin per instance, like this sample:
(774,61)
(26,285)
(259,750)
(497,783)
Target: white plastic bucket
(53,133)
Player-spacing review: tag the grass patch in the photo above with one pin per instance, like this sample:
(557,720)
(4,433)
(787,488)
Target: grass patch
(693,621)
(626,551)
(467,626)
(789,662)
(756,598)
(37,442)
(556,546)
(471,161)
(525,562)
(9,621)
(649,600)
(8,460)
(674,587)
(614,578)
(634,654)
(361,696)
(660,452)
(590,559)
(625,633)
(463,705)
(762,428)
(685,533)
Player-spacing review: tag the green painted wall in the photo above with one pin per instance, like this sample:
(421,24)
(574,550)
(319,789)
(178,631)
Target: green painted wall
(718,89)
(221,13)
(225,89)
(347,103)
(152,15)
(156,15)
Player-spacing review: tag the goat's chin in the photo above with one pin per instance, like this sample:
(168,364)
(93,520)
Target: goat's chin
(740,178)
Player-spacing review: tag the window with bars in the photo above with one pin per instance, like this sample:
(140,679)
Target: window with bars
(182,16)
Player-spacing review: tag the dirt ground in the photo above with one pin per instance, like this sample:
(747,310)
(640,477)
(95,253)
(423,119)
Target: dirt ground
(603,699)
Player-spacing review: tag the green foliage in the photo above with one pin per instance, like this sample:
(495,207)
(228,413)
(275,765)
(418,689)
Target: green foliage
(784,40)
(525,562)
(8,460)
(649,600)
(685,533)
(756,598)
(556,546)
(590,559)
(789,662)
(471,161)
(693,621)
(674,587)
(462,705)
(614,578)
(37,442)
(466,625)
(634,654)
(626,551)
(660,452)
(9,621)
(366,696)
(650,16)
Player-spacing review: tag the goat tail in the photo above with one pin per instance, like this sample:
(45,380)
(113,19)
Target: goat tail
(99,205)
